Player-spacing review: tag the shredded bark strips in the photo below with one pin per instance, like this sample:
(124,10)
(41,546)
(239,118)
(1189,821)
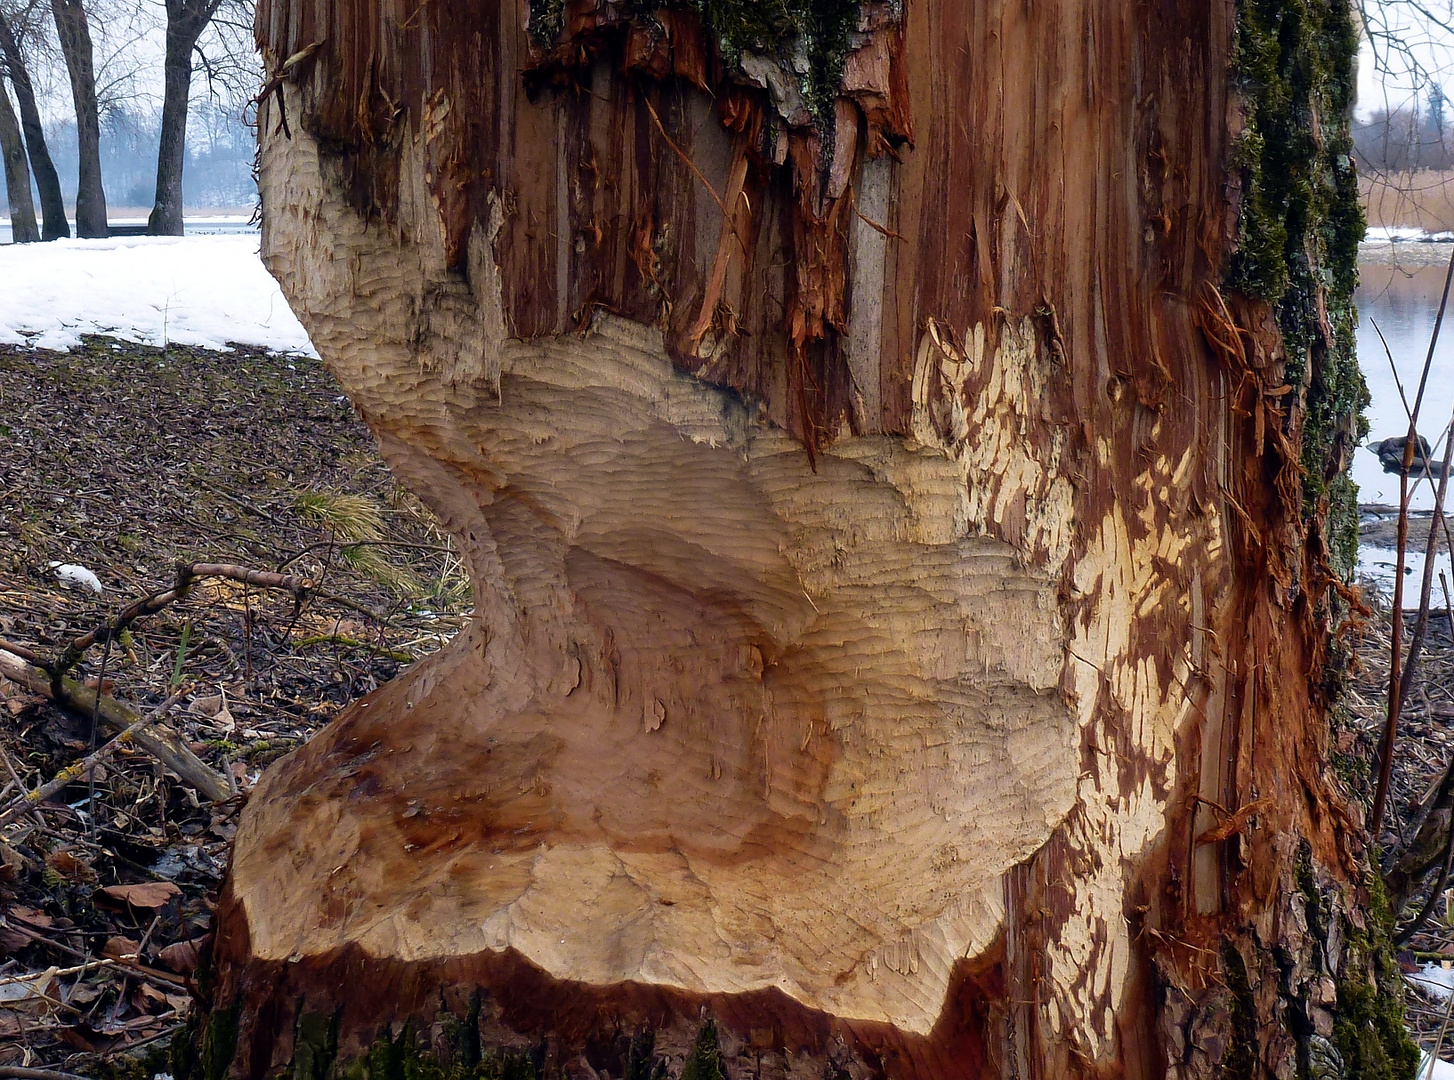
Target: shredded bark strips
(805,92)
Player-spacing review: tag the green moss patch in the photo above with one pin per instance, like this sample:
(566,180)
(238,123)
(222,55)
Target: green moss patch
(1301,223)
(809,39)
(1369,1031)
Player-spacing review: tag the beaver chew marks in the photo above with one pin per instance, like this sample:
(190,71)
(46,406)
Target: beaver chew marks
(723,723)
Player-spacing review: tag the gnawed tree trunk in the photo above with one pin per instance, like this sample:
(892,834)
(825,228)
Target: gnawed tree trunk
(54,225)
(74,32)
(894,449)
(23,229)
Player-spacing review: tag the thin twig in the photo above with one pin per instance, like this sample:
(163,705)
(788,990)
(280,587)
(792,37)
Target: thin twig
(1439,883)
(87,766)
(1439,1042)
(164,744)
(30,930)
(1395,682)
(726,215)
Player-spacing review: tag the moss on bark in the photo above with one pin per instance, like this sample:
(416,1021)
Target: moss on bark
(1300,226)
(809,39)
(1369,1031)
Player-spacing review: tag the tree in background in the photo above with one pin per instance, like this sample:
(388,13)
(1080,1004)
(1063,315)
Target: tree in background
(186,20)
(12,64)
(23,229)
(74,31)
(1434,117)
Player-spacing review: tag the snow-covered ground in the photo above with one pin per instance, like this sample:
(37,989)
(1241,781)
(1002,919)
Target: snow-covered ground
(1434,982)
(1388,234)
(205,290)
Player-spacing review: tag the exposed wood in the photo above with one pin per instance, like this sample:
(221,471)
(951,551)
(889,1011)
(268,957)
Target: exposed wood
(870,614)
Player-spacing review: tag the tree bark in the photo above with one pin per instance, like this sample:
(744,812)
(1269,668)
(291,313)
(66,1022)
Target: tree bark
(54,225)
(74,32)
(186,19)
(23,229)
(878,438)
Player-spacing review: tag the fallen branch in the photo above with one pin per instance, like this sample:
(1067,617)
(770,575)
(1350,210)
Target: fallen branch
(161,741)
(187,574)
(36,1074)
(30,930)
(301,589)
(71,773)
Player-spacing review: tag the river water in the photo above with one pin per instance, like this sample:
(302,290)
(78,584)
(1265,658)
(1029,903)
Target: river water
(1399,295)
(205,225)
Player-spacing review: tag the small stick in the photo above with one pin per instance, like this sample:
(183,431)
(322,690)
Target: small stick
(88,764)
(163,743)
(1396,632)
(1439,1043)
(8,1071)
(20,926)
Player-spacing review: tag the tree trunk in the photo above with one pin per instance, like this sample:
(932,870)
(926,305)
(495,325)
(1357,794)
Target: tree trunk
(75,36)
(23,229)
(166,214)
(185,23)
(888,444)
(54,225)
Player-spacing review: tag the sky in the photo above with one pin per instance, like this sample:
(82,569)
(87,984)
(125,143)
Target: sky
(1402,49)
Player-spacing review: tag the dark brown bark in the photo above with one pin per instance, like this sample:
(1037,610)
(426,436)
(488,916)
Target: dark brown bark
(186,19)
(74,31)
(23,229)
(54,225)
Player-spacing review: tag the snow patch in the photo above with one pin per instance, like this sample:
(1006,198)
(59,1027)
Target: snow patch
(1390,234)
(207,291)
(1433,981)
(73,576)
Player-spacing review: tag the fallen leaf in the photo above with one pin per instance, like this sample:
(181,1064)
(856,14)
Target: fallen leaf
(69,867)
(29,993)
(29,915)
(206,706)
(83,993)
(85,1039)
(181,957)
(147,894)
(12,863)
(121,948)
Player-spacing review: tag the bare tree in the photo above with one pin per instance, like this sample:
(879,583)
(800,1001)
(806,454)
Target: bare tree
(17,175)
(52,204)
(74,31)
(186,21)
